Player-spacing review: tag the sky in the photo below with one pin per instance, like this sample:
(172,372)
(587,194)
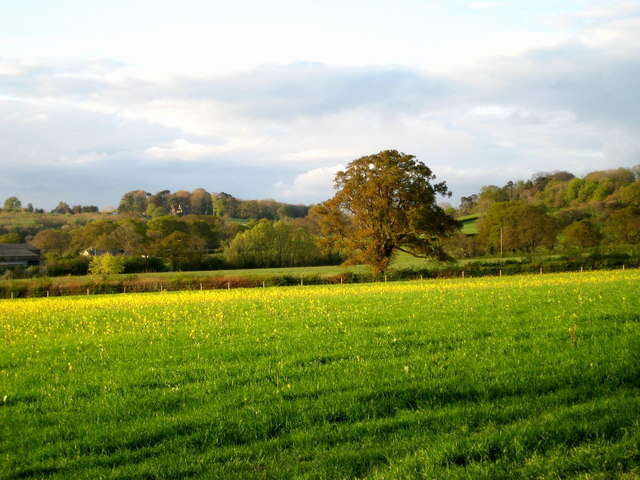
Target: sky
(270,99)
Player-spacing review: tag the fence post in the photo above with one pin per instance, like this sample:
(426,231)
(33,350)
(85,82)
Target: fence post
(228,285)
(462,273)
(540,270)
(200,285)
(623,266)
(47,293)
(500,272)
(340,279)
(87,291)
(385,278)
(11,295)
(262,283)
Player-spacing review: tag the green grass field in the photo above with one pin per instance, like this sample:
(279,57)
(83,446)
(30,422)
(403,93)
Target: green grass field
(469,224)
(494,378)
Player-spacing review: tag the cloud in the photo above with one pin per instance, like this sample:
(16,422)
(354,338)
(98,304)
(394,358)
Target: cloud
(319,154)
(311,89)
(613,10)
(86,131)
(485,5)
(315,184)
(183,150)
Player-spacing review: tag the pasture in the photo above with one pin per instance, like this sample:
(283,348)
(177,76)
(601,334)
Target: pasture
(492,378)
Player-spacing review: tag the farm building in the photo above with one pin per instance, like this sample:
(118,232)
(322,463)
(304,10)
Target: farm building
(19,254)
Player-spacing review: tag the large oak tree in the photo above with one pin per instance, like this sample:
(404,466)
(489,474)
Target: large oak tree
(385,203)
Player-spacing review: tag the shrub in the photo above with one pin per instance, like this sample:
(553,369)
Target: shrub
(67,266)
(105,265)
(143,265)
(274,244)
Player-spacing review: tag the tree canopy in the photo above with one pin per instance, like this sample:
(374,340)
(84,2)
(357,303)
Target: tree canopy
(514,226)
(385,203)
(273,244)
(12,204)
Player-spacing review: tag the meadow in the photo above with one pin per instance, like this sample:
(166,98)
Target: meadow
(532,376)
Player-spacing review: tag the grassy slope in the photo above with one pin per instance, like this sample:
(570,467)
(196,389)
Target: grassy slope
(469,224)
(480,378)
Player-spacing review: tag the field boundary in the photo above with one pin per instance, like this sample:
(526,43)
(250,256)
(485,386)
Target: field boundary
(47,287)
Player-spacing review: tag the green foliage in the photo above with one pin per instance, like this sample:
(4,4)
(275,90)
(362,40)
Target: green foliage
(134,202)
(618,177)
(587,191)
(95,235)
(273,244)
(166,225)
(52,241)
(493,194)
(622,226)
(385,203)
(516,226)
(153,211)
(12,237)
(573,190)
(630,194)
(138,264)
(292,211)
(67,266)
(12,204)
(226,205)
(105,265)
(603,190)
(581,235)
(555,194)
(62,208)
(179,249)
(201,203)
(206,228)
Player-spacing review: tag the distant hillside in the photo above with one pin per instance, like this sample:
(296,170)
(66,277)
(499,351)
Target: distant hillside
(552,211)
(562,190)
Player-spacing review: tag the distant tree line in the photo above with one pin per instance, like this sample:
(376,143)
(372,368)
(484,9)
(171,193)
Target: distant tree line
(14,205)
(190,242)
(201,202)
(385,203)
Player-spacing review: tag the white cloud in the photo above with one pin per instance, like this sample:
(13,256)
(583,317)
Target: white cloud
(494,111)
(485,5)
(536,101)
(181,149)
(613,9)
(315,184)
(10,68)
(319,154)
